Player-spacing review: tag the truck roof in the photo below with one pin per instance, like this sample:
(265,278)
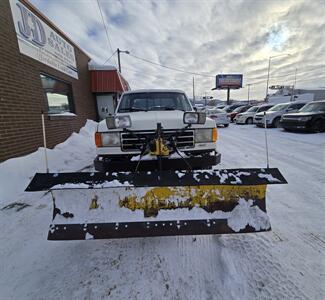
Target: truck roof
(154,91)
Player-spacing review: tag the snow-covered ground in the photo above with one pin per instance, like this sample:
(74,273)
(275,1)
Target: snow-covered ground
(286,263)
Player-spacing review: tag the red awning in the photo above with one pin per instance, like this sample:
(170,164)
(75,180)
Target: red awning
(108,81)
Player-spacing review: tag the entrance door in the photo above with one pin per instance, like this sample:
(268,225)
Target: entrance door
(105,105)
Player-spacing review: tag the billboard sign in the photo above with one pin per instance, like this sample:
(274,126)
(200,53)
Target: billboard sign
(232,81)
(39,41)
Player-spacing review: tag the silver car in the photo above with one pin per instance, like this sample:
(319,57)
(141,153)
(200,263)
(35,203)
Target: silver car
(273,115)
(219,116)
(247,117)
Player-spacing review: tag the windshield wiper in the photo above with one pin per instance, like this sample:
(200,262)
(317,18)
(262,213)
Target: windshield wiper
(165,108)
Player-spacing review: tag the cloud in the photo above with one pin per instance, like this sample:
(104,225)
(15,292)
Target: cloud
(208,37)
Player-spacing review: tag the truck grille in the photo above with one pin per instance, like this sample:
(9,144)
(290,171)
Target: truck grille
(133,141)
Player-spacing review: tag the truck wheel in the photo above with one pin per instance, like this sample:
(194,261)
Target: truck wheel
(225,125)
(249,121)
(316,126)
(276,123)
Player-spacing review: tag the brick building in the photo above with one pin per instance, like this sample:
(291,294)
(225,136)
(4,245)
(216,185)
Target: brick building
(41,70)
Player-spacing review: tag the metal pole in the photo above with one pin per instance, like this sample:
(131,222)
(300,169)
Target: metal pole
(205,102)
(118,59)
(249,85)
(228,95)
(266,144)
(193,91)
(268,77)
(293,86)
(44,143)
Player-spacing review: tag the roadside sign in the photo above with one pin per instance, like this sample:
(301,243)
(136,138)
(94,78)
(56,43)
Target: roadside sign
(229,81)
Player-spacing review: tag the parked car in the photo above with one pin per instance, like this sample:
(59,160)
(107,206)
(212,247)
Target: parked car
(199,107)
(310,117)
(231,107)
(237,110)
(219,116)
(247,117)
(221,106)
(273,115)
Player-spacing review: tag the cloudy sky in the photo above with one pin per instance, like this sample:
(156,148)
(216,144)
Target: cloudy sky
(205,37)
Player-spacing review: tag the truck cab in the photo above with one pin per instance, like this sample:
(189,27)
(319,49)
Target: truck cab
(127,137)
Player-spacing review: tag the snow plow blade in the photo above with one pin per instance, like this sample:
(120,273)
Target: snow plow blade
(124,204)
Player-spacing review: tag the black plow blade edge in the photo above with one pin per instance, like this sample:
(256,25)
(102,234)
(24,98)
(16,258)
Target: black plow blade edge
(143,229)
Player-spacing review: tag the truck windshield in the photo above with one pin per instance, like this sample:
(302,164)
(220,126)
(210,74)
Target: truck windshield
(313,107)
(153,102)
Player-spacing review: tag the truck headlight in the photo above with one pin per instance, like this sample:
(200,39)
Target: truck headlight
(194,117)
(113,122)
(205,135)
(111,139)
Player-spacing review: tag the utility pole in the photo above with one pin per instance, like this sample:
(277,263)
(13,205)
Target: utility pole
(119,60)
(193,91)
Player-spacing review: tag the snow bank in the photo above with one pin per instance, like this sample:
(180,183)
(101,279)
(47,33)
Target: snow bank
(70,155)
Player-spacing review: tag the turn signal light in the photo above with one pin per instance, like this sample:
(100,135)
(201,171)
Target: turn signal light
(214,134)
(98,139)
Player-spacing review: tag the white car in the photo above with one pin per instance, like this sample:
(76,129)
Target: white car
(147,120)
(219,116)
(273,115)
(247,117)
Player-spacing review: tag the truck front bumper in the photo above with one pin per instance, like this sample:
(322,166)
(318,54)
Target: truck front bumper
(106,163)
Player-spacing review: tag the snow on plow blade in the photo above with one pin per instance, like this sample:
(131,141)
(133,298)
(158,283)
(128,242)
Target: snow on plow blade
(119,205)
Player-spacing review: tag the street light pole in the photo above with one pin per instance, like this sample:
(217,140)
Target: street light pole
(249,85)
(294,86)
(268,77)
(268,71)
(193,92)
(119,59)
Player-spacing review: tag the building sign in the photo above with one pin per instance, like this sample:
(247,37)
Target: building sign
(232,81)
(39,41)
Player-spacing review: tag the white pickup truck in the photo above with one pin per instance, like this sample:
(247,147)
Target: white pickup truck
(155,129)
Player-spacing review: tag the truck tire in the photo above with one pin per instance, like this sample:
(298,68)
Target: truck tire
(225,125)
(249,121)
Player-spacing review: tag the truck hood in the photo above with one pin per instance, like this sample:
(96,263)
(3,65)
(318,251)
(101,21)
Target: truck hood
(147,120)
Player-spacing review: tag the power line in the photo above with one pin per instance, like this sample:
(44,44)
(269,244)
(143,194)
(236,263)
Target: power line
(153,76)
(106,30)
(109,57)
(168,67)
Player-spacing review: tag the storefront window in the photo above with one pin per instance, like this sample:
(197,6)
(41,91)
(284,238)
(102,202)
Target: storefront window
(58,94)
